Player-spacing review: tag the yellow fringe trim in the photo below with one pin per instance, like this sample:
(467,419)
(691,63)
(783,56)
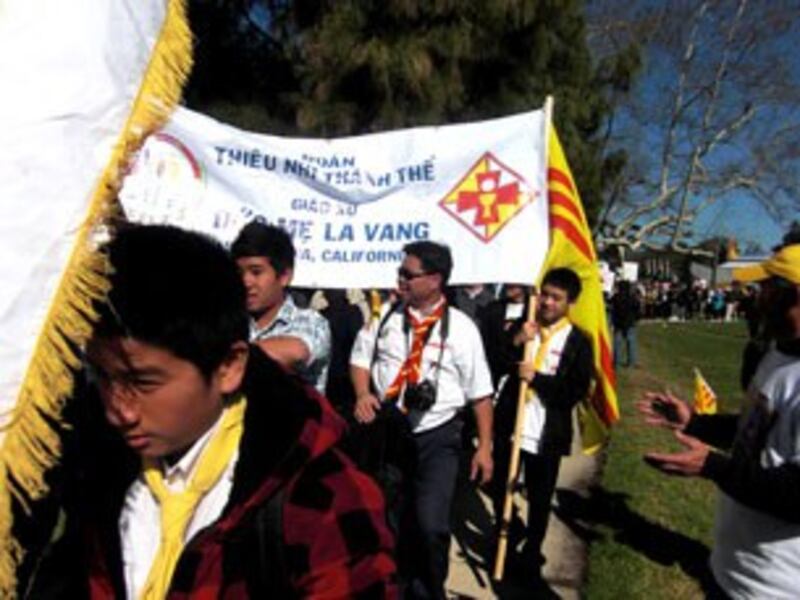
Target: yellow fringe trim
(31,445)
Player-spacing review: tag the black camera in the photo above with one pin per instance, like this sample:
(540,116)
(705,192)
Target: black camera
(420,396)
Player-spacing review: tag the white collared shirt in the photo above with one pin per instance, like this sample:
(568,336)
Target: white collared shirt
(140,519)
(535,412)
(462,376)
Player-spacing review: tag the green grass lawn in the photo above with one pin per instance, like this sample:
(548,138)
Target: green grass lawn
(651,532)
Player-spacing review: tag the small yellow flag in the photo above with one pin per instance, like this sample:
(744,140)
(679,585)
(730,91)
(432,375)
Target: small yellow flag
(705,400)
(375,303)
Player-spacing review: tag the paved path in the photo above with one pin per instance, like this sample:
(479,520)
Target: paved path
(471,565)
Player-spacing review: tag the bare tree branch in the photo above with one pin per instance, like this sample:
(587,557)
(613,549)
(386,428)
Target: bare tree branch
(725,128)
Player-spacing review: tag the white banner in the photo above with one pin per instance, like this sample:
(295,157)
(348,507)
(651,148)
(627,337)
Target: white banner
(351,204)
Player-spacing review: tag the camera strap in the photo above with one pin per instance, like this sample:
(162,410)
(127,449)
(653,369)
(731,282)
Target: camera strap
(392,309)
(396,307)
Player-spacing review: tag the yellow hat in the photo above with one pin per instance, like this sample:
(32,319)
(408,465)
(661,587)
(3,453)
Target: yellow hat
(785,263)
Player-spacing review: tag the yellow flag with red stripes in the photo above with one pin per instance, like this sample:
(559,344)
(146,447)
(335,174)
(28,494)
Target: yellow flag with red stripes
(705,400)
(571,246)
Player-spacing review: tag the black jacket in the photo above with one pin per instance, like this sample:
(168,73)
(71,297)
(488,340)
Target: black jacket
(558,393)
(625,310)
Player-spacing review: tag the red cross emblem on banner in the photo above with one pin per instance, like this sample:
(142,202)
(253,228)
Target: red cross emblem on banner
(487,197)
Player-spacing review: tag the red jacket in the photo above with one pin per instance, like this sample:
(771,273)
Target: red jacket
(335,542)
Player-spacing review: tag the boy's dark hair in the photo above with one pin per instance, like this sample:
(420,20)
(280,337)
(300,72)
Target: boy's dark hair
(435,258)
(176,290)
(564,279)
(271,242)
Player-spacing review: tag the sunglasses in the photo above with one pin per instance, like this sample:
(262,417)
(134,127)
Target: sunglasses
(409,275)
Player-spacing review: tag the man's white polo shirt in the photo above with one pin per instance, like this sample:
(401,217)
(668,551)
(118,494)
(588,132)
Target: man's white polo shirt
(461,376)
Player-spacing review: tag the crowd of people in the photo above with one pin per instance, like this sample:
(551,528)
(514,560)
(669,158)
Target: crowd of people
(229,441)
(647,299)
(674,300)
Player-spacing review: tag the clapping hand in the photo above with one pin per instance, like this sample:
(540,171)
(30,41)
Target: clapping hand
(688,463)
(662,409)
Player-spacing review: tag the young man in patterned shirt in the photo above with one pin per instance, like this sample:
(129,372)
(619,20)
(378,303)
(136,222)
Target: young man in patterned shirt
(297,338)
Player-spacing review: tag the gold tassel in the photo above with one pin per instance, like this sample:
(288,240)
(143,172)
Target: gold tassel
(31,445)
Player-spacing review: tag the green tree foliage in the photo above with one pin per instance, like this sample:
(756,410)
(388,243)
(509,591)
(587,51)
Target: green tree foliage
(354,66)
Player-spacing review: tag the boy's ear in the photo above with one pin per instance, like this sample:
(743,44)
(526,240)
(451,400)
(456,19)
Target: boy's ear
(231,372)
(286,277)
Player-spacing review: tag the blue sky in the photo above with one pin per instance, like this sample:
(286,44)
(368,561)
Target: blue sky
(743,218)
(763,74)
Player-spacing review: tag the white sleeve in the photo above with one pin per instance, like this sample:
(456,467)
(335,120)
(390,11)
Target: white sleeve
(781,394)
(364,346)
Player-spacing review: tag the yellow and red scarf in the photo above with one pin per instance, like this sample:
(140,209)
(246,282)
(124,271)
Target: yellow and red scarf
(411,369)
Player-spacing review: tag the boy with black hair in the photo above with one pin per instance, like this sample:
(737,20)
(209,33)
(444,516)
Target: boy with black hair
(297,338)
(223,478)
(558,377)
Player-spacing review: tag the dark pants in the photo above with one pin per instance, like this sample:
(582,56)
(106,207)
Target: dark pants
(541,473)
(425,544)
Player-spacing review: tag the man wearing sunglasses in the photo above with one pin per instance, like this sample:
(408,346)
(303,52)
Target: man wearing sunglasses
(426,359)
(755,459)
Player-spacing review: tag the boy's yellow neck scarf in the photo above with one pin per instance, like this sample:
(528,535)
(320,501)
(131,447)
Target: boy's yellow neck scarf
(178,508)
(545,336)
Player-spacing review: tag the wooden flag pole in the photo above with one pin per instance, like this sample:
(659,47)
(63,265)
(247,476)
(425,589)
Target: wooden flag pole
(513,468)
(513,463)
